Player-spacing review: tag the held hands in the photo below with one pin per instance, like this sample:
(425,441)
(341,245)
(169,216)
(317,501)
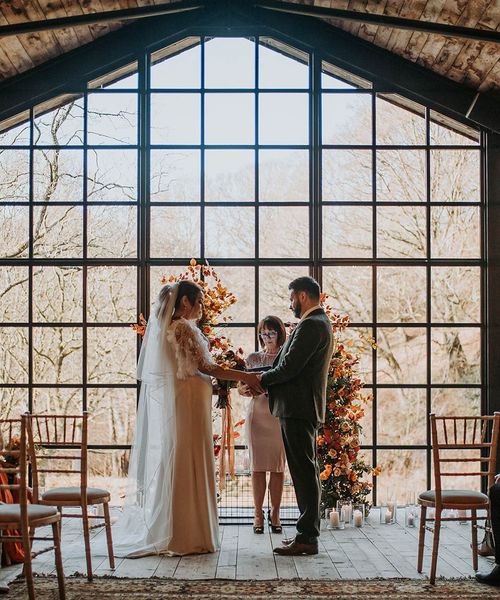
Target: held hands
(252,381)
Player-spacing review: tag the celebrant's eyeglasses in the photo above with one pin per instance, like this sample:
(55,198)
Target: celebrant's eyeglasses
(271,334)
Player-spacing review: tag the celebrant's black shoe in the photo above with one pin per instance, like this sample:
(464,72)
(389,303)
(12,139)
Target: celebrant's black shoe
(492,578)
(4,588)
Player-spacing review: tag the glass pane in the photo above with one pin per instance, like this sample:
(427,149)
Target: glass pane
(347,231)
(350,291)
(58,231)
(108,469)
(175,176)
(112,231)
(284,232)
(13,355)
(111,294)
(229,118)
(229,63)
(240,281)
(13,402)
(14,175)
(112,175)
(456,232)
(111,355)
(359,342)
(456,401)
(366,434)
(57,354)
(57,294)
(229,232)
(346,119)
(276,70)
(401,176)
(401,355)
(173,69)
(112,119)
(456,355)
(14,241)
(58,175)
(14,294)
(329,82)
(456,294)
(401,294)
(112,414)
(447,132)
(401,416)
(59,401)
(404,475)
(59,126)
(347,175)
(274,295)
(398,125)
(241,337)
(175,231)
(15,131)
(284,175)
(401,232)
(455,176)
(229,175)
(175,118)
(284,119)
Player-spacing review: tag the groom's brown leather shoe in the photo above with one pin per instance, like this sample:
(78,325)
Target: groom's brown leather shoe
(296,549)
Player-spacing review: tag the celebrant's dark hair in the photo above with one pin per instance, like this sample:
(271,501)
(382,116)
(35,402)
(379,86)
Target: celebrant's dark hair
(306,284)
(275,324)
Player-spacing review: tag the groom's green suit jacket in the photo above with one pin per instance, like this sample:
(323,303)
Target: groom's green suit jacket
(297,381)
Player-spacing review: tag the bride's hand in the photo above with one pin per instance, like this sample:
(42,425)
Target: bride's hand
(253,382)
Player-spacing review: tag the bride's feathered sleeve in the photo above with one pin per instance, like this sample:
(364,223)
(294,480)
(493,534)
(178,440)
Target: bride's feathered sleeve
(191,349)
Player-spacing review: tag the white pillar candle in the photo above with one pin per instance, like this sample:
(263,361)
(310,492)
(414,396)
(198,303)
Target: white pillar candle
(411,520)
(334,518)
(357,518)
(388,516)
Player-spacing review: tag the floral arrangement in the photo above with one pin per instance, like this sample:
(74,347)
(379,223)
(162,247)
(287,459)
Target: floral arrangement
(338,443)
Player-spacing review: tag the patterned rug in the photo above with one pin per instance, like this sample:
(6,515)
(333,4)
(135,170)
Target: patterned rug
(103,588)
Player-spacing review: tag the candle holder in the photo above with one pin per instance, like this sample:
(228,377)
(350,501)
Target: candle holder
(344,508)
(388,513)
(358,515)
(334,521)
(411,515)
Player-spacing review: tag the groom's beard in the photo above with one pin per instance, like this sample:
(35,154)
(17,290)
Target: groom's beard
(297,311)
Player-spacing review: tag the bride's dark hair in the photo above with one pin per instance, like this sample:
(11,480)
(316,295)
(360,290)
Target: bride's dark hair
(189,289)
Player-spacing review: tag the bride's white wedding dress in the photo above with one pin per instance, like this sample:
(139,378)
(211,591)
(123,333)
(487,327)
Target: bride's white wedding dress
(171,503)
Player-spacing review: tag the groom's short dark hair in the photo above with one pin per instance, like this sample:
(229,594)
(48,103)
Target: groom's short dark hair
(306,284)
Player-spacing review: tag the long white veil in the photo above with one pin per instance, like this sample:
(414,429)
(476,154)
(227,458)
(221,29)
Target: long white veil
(145,526)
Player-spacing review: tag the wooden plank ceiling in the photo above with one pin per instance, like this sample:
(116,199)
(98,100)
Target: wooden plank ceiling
(475,64)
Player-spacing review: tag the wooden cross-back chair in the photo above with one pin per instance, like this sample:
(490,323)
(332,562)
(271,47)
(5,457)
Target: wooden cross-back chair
(18,518)
(51,440)
(451,437)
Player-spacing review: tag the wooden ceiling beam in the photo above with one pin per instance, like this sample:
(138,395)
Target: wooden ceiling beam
(309,10)
(94,18)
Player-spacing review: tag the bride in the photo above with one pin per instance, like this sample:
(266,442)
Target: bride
(171,504)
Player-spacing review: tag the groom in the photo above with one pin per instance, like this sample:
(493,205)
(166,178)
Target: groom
(297,395)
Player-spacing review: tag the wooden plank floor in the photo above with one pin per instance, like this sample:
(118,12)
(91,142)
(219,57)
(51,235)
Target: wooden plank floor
(387,551)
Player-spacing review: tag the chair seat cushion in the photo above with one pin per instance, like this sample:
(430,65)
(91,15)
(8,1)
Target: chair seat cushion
(455,497)
(68,494)
(10,513)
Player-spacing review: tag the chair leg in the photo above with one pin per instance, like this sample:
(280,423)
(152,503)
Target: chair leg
(56,532)
(109,537)
(421,539)
(27,566)
(474,539)
(86,537)
(435,546)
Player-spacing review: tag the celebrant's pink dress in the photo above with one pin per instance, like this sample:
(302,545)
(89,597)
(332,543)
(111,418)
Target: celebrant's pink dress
(265,442)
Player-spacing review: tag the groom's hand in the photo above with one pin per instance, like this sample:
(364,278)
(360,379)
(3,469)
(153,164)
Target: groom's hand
(254,384)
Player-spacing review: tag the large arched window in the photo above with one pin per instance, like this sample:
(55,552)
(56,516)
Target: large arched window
(269,162)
